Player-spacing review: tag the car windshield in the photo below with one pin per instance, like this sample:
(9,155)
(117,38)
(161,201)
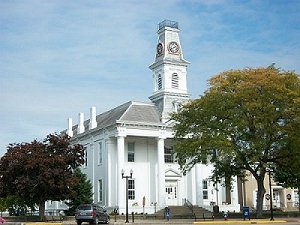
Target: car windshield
(84,207)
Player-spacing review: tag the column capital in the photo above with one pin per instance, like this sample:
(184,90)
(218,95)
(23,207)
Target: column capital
(121,130)
(162,134)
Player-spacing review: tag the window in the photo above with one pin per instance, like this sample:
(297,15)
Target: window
(131,189)
(175,83)
(130,152)
(169,154)
(100,153)
(100,189)
(205,194)
(169,191)
(159,82)
(204,184)
(204,187)
(85,156)
(296,198)
(177,105)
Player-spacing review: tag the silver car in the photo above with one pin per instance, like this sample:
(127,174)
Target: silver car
(91,213)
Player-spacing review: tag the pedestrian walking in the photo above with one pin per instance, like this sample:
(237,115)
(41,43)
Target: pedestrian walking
(167,212)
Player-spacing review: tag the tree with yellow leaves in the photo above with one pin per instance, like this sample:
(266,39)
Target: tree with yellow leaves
(243,122)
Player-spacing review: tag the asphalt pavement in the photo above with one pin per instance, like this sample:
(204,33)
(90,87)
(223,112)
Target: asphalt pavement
(233,221)
(279,221)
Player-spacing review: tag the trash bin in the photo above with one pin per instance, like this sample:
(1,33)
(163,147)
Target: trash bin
(216,209)
(246,213)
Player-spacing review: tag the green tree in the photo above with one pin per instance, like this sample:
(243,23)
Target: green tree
(241,123)
(3,205)
(286,170)
(40,171)
(81,192)
(16,205)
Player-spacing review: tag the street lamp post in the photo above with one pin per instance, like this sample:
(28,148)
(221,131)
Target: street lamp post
(271,196)
(126,177)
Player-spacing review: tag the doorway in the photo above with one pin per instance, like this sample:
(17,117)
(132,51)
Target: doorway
(276,198)
(171,193)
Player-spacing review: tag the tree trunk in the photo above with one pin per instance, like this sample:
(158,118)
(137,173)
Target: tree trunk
(42,211)
(299,198)
(260,195)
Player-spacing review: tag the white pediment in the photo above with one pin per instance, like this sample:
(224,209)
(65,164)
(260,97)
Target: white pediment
(172,173)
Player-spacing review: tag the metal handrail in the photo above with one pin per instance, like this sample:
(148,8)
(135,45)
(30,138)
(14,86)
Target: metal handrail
(190,206)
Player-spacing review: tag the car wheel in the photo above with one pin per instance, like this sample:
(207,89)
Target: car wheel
(79,222)
(96,221)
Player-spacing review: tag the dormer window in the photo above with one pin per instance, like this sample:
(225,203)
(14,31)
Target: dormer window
(175,81)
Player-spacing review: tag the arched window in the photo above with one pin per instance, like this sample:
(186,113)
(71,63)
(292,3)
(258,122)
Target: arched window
(175,80)
(159,82)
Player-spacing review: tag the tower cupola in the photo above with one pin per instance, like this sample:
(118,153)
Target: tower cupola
(169,71)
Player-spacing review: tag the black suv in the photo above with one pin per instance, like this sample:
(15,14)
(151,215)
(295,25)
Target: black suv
(91,213)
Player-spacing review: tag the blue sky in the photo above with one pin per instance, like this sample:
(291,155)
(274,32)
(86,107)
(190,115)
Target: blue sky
(61,57)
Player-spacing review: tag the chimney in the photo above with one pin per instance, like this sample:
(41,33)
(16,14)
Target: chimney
(70,131)
(80,128)
(93,122)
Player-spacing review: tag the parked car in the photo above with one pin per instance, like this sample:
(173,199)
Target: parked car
(91,213)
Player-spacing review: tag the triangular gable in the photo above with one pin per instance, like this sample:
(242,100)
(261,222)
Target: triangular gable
(172,173)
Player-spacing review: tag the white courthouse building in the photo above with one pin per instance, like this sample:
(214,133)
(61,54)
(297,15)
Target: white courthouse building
(138,137)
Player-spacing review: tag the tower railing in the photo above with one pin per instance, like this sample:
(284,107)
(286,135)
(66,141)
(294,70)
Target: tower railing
(168,23)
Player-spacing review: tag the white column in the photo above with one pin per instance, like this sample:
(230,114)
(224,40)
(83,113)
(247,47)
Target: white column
(109,188)
(94,182)
(161,173)
(120,166)
(193,188)
(234,192)
(199,190)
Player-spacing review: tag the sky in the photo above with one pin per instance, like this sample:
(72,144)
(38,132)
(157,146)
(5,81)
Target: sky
(61,57)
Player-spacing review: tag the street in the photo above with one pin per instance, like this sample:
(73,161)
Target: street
(280,221)
(277,221)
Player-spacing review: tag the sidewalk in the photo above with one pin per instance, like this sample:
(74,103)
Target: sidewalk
(254,221)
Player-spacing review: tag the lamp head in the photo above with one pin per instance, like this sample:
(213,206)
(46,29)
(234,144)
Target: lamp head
(131,172)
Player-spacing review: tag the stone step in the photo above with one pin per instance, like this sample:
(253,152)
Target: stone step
(185,212)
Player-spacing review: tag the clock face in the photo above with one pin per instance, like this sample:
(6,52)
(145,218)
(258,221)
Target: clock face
(173,47)
(159,49)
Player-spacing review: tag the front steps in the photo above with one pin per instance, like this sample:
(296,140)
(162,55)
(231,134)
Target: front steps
(185,212)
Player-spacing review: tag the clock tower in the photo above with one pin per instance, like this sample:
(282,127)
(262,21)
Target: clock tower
(169,71)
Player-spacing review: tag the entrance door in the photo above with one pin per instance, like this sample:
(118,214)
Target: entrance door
(171,193)
(276,198)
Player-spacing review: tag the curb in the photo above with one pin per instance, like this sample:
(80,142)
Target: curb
(42,223)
